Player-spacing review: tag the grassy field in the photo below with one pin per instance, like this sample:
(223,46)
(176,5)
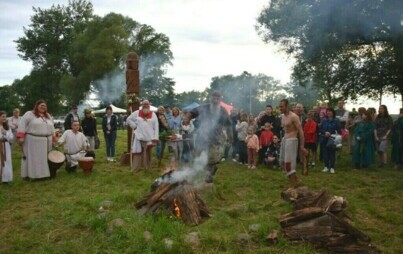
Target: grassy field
(62,215)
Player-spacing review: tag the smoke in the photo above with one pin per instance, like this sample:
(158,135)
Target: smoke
(111,87)
(209,132)
(148,64)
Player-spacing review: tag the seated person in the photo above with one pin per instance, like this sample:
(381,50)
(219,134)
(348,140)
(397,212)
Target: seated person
(75,146)
(273,152)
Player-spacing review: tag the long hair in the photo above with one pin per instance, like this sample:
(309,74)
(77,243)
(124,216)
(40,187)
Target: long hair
(386,113)
(5,124)
(36,110)
(332,110)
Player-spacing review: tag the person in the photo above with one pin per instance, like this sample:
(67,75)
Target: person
(364,149)
(36,133)
(252,143)
(341,114)
(146,132)
(71,117)
(14,121)
(328,127)
(75,146)
(383,127)
(162,127)
(89,126)
(242,132)
(265,139)
(299,111)
(322,110)
(213,119)
(273,151)
(174,122)
(268,117)
(109,127)
(6,137)
(234,117)
(310,132)
(289,144)
(186,131)
(397,141)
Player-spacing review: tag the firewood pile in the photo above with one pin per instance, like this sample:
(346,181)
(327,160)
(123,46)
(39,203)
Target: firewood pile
(320,219)
(179,198)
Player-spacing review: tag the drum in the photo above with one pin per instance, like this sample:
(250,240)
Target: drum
(55,161)
(86,163)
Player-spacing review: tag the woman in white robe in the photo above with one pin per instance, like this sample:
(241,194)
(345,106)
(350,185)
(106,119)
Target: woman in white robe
(6,138)
(36,133)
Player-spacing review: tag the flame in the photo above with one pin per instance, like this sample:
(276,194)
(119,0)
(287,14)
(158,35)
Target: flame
(177,210)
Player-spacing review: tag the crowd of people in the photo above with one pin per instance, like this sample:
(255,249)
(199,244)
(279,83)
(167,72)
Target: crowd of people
(281,138)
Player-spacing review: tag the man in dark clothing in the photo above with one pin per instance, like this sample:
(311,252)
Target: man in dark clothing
(268,117)
(71,117)
(213,119)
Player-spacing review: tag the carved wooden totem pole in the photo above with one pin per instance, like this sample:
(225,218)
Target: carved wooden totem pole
(132,95)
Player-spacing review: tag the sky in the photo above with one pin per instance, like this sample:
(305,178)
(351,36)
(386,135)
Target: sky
(208,37)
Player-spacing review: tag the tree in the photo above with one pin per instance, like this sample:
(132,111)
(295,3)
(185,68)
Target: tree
(186,98)
(315,30)
(46,44)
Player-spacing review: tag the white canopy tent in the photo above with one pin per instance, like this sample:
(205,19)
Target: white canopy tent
(115,110)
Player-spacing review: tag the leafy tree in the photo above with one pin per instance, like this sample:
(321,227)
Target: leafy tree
(186,98)
(345,32)
(76,53)
(46,44)
(9,99)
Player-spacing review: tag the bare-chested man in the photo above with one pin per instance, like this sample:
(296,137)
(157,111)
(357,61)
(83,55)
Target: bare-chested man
(289,144)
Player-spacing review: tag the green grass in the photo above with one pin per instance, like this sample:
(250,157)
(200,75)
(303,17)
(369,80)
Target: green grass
(61,215)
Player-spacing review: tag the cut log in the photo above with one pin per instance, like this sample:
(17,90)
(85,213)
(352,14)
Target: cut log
(320,219)
(301,215)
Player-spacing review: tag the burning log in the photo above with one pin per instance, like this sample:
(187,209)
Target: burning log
(320,220)
(178,198)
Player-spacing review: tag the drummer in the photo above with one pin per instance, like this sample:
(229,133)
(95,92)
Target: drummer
(75,146)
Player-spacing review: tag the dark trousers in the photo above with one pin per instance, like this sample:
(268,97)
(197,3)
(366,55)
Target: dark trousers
(262,152)
(329,156)
(243,156)
(110,143)
(235,148)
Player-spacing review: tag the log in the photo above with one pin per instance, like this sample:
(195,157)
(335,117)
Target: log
(178,198)
(298,216)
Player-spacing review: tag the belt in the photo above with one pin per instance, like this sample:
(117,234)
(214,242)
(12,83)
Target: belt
(36,135)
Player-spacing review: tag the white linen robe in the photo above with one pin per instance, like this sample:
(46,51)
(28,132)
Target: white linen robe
(6,141)
(75,146)
(38,133)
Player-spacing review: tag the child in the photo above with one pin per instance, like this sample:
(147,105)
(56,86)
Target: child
(265,139)
(322,110)
(273,152)
(252,142)
(310,133)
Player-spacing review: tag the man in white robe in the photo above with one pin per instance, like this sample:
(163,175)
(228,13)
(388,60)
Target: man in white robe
(75,146)
(145,125)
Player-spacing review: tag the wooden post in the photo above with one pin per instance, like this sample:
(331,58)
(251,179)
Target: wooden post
(132,94)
